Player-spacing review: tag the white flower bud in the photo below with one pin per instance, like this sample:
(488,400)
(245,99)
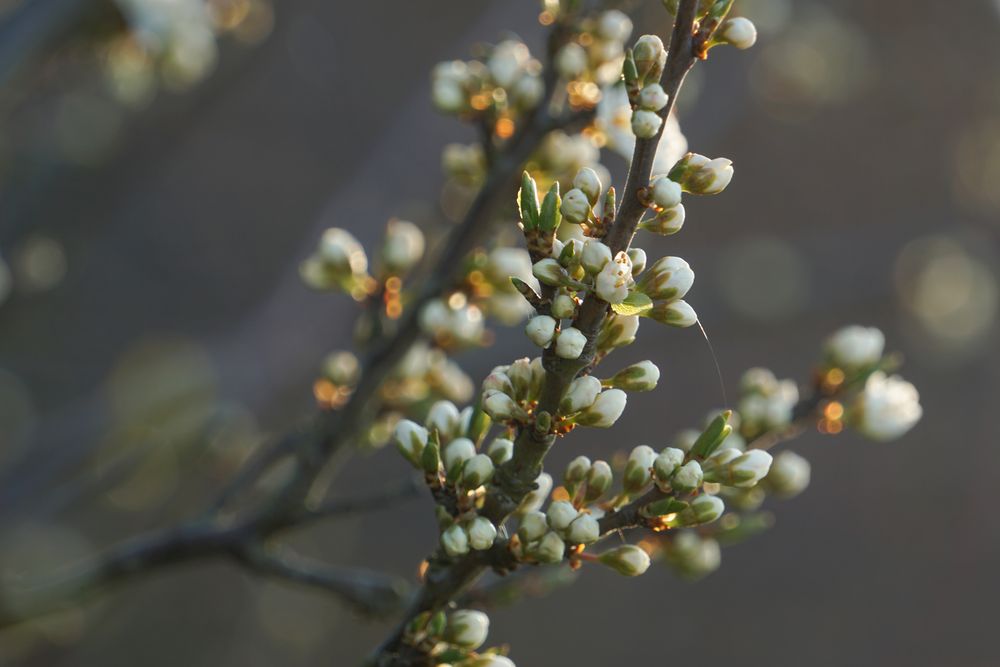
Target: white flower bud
(535,498)
(457,452)
(758,381)
(444,418)
(645,124)
(887,408)
(855,346)
(482,533)
(403,246)
(533,526)
(571,61)
(341,253)
(638,257)
(614,25)
(411,438)
(599,479)
(637,468)
(703,509)
(477,471)
(500,407)
(582,393)
(550,549)
(570,343)
(604,411)
(613,281)
(540,330)
(738,31)
(498,381)
(652,97)
(560,514)
(467,628)
(455,541)
(549,272)
(649,56)
(642,376)
(668,278)
(668,221)
(577,470)
(789,475)
(563,307)
(710,179)
(688,477)
(618,331)
(520,374)
(667,463)
(627,559)
(584,530)
(589,183)
(674,313)
(575,206)
(744,470)
(594,256)
(665,193)
(500,450)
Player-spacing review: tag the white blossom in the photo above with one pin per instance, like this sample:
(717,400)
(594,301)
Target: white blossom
(854,346)
(888,407)
(613,282)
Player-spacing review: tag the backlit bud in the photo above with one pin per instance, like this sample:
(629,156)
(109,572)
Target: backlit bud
(642,376)
(618,331)
(498,381)
(482,533)
(477,471)
(560,514)
(520,374)
(455,541)
(584,530)
(887,408)
(738,31)
(668,221)
(638,257)
(599,479)
(571,61)
(588,182)
(456,453)
(540,330)
(550,549)
(403,246)
(535,498)
(467,628)
(855,346)
(645,124)
(341,253)
(549,272)
(577,470)
(668,278)
(533,526)
(411,438)
(500,406)
(688,477)
(614,25)
(789,475)
(652,97)
(563,307)
(742,471)
(575,206)
(604,411)
(664,192)
(667,463)
(500,450)
(444,418)
(627,559)
(570,343)
(594,256)
(711,179)
(637,469)
(582,393)
(674,313)
(701,510)
(649,56)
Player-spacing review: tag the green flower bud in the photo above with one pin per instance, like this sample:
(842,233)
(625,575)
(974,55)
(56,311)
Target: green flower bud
(599,479)
(688,477)
(638,259)
(667,463)
(410,438)
(455,541)
(500,450)
(627,559)
(563,307)
(482,533)
(637,469)
(642,376)
(605,410)
(550,272)
(589,183)
(550,548)
(701,510)
(668,221)
(594,256)
(444,418)
(739,32)
(650,57)
(560,514)
(533,526)
(467,628)
(673,313)
(477,471)
(668,278)
(693,556)
(585,529)
(575,206)
(456,453)
(535,498)
(577,470)
(582,393)
(789,475)
(645,124)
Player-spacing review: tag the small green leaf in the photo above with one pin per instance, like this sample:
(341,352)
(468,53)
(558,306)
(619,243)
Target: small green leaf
(713,436)
(549,217)
(635,303)
(528,201)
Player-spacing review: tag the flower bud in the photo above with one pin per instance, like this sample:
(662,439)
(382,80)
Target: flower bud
(789,475)
(498,381)
(577,470)
(650,57)
(642,376)
(711,179)
(563,307)
(599,479)
(738,31)
(627,559)
(489,661)
(403,246)
(668,221)
(540,330)
(500,450)
(645,124)
(533,526)
(638,258)
(742,471)
(570,343)
(588,182)
(618,331)
(482,533)
(411,438)
(550,272)
(455,541)
(701,510)
(669,278)
(477,471)
(456,453)
(856,346)
(605,410)
(500,406)
(652,97)
(614,25)
(674,313)
(887,408)
(637,469)
(467,628)
(560,514)
(444,418)
(584,530)
(582,393)
(575,206)
(550,549)
(667,463)
(341,368)
(594,256)
(571,61)
(665,193)
(688,477)
(341,253)
(535,498)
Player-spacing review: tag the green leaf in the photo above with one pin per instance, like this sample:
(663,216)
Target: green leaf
(528,201)
(713,436)
(550,217)
(635,303)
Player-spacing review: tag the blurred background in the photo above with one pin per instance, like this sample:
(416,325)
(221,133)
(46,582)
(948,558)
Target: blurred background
(153,215)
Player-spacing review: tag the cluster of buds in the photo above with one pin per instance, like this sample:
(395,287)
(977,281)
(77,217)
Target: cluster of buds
(642,70)
(666,283)
(510,392)
(766,403)
(504,83)
(593,58)
(454,638)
